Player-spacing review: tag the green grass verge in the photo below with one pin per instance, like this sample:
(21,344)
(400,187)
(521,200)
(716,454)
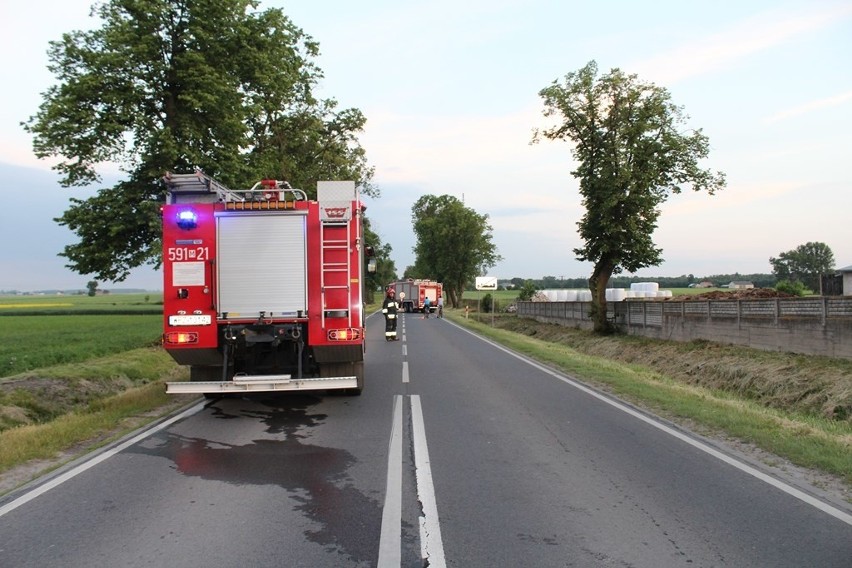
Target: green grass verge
(115,395)
(805,440)
(117,415)
(43,395)
(36,341)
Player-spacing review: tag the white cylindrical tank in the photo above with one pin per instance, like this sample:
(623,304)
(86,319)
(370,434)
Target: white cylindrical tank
(562,295)
(570,295)
(645,287)
(615,294)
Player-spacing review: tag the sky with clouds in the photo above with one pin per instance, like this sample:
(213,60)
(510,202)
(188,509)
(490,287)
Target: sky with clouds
(450,92)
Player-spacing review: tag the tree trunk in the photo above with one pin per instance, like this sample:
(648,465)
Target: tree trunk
(597,285)
(453,296)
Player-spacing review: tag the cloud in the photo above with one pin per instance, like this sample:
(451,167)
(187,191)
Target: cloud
(736,197)
(450,152)
(812,106)
(721,50)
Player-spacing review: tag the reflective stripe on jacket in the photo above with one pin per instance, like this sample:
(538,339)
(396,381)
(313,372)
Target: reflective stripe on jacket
(390,306)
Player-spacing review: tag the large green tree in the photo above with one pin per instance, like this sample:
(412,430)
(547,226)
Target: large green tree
(632,152)
(453,244)
(385,266)
(806,264)
(171,85)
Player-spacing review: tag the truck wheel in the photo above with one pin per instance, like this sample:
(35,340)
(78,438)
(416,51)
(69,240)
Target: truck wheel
(358,371)
(345,369)
(199,374)
(206,374)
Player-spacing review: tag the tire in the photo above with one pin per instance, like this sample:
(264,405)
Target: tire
(358,371)
(203,374)
(344,369)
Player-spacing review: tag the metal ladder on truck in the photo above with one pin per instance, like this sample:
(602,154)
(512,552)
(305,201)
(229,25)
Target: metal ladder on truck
(335,202)
(198,187)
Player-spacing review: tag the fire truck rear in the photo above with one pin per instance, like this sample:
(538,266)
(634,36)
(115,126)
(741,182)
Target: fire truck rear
(263,287)
(412,294)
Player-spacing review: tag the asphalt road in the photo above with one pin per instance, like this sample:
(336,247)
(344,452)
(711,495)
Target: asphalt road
(458,454)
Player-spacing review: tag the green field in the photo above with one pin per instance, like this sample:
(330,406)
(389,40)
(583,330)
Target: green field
(30,342)
(73,304)
(503,297)
(41,331)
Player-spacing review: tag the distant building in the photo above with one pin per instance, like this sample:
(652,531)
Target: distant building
(846,273)
(740,285)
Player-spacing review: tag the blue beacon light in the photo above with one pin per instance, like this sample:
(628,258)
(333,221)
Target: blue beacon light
(187,219)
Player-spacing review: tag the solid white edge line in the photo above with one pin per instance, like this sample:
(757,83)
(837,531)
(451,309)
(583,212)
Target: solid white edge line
(789,489)
(431,543)
(390,542)
(59,480)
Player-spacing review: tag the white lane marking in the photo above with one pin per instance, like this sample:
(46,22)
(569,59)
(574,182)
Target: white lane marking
(59,480)
(431,543)
(778,484)
(405,375)
(390,542)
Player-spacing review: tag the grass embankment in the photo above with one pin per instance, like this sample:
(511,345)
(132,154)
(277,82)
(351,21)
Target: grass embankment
(51,410)
(796,407)
(77,381)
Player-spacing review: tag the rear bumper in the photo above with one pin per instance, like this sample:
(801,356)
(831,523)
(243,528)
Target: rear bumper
(261,383)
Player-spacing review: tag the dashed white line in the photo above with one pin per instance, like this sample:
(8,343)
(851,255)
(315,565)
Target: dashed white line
(390,542)
(431,543)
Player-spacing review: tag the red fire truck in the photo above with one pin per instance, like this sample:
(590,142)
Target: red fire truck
(412,293)
(263,288)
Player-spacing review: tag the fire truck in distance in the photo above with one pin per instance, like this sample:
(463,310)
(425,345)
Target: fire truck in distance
(412,293)
(263,288)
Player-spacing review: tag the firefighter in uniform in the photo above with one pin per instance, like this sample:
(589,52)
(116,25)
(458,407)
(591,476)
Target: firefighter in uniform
(390,308)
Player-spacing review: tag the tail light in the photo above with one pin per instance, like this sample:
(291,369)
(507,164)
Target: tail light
(345,334)
(180,337)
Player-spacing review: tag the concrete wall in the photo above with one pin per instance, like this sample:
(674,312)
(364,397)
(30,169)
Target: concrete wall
(808,326)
